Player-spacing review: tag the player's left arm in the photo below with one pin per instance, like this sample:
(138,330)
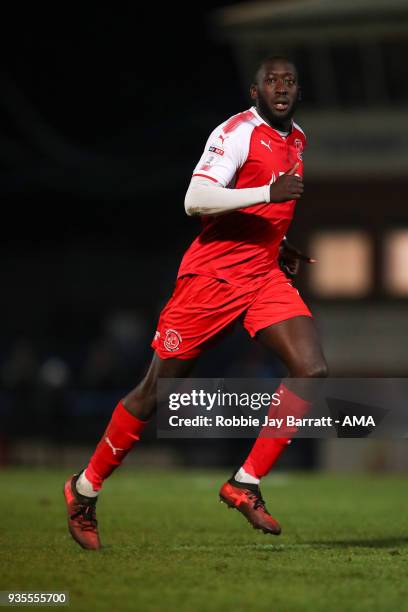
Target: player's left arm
(290,257)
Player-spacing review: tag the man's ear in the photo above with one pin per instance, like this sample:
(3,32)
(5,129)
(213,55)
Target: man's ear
(253,91)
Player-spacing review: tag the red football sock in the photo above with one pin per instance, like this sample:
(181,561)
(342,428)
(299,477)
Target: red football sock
(119,437)
(267,449)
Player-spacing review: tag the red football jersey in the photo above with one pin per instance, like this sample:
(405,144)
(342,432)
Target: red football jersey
(242,247)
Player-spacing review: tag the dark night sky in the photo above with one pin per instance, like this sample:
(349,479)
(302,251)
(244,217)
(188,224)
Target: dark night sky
(143,91)
(146,88)
(109,67)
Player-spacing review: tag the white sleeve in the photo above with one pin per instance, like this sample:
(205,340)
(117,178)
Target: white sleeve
(206,197)
(224,154)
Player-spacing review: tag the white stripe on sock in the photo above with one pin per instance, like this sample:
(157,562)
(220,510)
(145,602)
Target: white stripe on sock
(84,486)
(243,476)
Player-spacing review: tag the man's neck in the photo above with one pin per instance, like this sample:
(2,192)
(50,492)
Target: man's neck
(285,126)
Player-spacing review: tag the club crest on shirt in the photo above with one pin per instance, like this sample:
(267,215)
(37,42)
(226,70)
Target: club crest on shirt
(299,148)
(172,340)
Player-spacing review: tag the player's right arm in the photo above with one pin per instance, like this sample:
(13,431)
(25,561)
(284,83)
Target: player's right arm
(225,153)
(208,197)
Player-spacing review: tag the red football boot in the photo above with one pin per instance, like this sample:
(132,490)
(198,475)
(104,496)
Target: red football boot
(247,499)
(82,522)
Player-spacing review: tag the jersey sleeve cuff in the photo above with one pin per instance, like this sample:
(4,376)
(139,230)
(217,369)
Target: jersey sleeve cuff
(267,193)
(211,178)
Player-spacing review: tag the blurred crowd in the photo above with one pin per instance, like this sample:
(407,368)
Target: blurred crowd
(61,400)
(117,358)
(49,393)
(113,359)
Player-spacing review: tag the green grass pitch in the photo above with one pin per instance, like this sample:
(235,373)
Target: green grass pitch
(170,545)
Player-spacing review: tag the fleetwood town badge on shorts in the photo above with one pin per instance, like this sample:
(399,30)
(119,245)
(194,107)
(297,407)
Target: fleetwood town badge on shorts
(172,340)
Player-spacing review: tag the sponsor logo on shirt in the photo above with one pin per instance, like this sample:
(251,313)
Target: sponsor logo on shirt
(216,150)
(266,144)
(299,147)
(172,340)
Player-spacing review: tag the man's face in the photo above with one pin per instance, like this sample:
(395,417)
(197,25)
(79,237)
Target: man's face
(276,92)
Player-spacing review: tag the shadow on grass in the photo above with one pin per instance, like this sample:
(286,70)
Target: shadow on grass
(395,542)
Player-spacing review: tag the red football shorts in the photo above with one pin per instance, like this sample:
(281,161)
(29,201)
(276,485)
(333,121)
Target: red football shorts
(202,310)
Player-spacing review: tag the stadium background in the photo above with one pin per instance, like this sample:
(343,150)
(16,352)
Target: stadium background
(103,115)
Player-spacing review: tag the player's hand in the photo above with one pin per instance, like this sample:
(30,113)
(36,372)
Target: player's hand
(290,257)
(287,187)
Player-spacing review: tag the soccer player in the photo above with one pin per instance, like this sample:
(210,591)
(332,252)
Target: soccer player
(245,187)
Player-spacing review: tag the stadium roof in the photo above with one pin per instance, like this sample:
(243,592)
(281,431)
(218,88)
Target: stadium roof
(314,17)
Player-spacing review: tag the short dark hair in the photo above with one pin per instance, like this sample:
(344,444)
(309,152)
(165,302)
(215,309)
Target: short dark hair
(271,58)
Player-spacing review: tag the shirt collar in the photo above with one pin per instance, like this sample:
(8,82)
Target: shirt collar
(258,116)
